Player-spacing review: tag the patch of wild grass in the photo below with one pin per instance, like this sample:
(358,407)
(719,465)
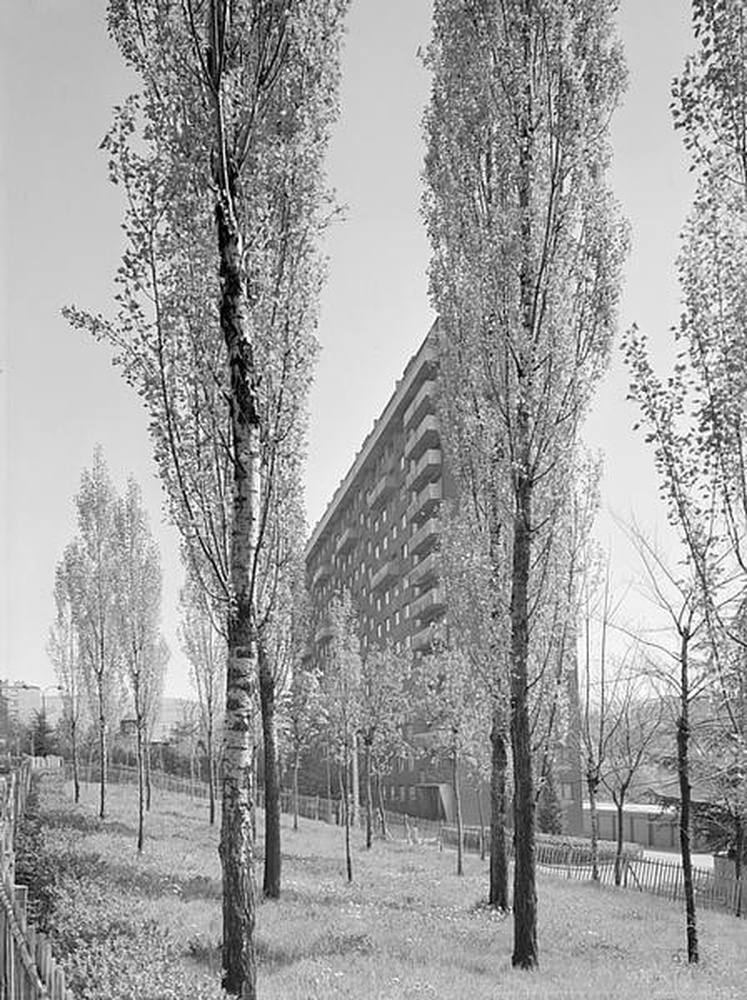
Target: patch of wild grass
(407,927)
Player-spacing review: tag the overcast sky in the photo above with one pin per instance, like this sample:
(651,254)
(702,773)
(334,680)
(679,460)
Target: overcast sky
(60,242)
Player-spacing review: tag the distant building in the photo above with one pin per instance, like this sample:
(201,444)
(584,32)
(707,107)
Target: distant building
(379,540)
(26,701)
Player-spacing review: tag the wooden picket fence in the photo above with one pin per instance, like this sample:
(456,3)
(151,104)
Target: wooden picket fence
(28,970)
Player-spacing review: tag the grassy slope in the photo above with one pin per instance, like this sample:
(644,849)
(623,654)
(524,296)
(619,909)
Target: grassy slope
(407,927)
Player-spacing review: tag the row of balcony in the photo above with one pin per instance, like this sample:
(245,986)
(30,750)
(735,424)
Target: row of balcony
(429,605)
(422,403)
(425,502)
(425,435)
(427,467)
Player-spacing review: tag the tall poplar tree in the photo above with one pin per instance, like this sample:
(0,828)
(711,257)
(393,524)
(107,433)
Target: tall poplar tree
(222,158)
(527,251)
(138,621)
(94,566)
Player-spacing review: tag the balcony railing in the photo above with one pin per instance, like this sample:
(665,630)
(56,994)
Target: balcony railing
(422,403)
(429,605)
(423,504)
(322,573)
(386,484)
(347,539)
(425,570)
(422,641)
(426,536)
(426,468)
(425,435)
(324,633)
(388,571)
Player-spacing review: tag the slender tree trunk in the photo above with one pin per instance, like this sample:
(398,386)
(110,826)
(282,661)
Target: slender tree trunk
(498,892)
(271,885)
(345,802)
(211,774)
(683,771)
(329,788)
(619,800)
(381,808)
(525,953)
(458,808)
(369,797)
(356,789)
(74,748)
(148,784)
(140,788)
(296,763)
(481,817)
(592,783)
(498,888)
(102,752)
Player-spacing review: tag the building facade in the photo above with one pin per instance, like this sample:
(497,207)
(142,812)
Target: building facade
(378,540)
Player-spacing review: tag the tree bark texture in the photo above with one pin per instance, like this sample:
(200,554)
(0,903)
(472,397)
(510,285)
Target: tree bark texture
(525,953)
(381,808)
(369,797)
(356,783)
(211,774)
(458,808)
(237,844)
(345,801)
(498,892)
(592,783)
(683,772)
(620,807)
(76,766)
(296,764)
(140,790)
(271,884)
(102,751)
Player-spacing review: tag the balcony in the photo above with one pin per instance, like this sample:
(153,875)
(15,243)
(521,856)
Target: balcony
(425,571)
(347,539)
(425,435)
(324,633)
(425,502)
(383,488)
(426,536)
(427,468)
(429,605)
(422,403)
(389,571)
(322,573)
(422,641)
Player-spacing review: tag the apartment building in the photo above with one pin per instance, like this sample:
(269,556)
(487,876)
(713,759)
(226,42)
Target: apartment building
(378,540)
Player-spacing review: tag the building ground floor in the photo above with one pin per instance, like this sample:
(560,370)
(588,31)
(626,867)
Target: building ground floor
(651,825)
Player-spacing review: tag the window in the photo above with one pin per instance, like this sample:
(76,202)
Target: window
(378,604)
(377,550)
(383,516)
(401,461)
(394,532)
(406,610)
(386,597)
(396,618)
(405,550)
(404,521)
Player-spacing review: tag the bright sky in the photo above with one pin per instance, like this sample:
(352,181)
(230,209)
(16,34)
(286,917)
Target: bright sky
(60,243)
